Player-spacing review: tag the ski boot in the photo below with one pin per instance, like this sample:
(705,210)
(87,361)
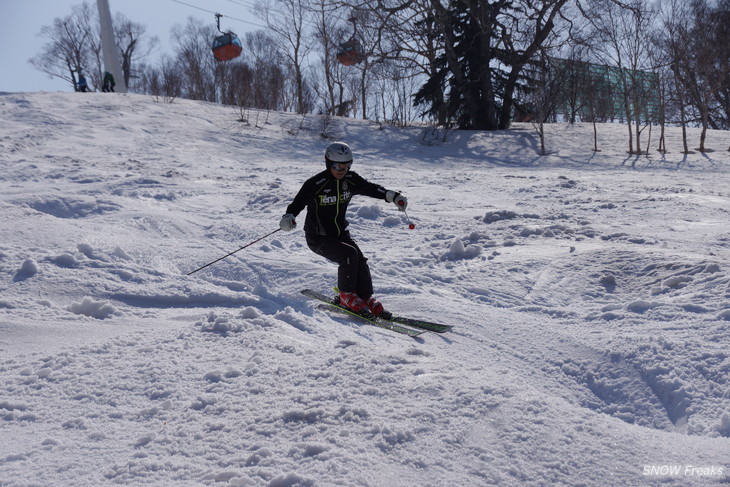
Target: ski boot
(376,308)
(354,303)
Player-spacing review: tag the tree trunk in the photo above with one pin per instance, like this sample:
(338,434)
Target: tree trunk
(703,134)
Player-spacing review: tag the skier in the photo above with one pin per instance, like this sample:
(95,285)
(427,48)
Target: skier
(109,83)
(82,84)
(326,196)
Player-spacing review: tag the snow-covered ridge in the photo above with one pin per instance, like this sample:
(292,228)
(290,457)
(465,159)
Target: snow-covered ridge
(590,294)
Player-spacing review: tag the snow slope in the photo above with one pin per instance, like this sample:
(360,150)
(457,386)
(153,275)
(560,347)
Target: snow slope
(590,294)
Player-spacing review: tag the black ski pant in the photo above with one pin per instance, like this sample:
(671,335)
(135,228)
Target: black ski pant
(353,275)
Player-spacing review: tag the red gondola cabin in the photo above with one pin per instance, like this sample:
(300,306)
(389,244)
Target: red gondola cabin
(349,53)
(227,46)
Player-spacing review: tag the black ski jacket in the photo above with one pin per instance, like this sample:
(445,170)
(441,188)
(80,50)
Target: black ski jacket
(326,199)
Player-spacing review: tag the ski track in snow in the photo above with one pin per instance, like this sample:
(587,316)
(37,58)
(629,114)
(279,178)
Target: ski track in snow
(589,293)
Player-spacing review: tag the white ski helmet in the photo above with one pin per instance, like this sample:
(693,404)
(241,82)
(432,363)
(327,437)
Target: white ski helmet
(338,152)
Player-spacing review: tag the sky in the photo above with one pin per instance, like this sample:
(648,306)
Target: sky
(21,22)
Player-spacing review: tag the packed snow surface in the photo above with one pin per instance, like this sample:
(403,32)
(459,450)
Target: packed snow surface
(589,293)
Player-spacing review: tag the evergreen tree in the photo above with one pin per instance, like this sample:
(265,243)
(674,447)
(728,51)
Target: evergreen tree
(461,90)
(486,48)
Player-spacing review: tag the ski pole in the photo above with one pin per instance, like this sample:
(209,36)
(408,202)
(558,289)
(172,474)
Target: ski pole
(230,254)
(411,225)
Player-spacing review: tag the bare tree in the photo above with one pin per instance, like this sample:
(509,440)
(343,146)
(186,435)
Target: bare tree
(394,83)
(66,53)
(75,45)
(264,57)
(88,16)
(240,89)
(664,84)
(163,82)
(623,41)
(598,104)
(544,95)
(133,45)
(525,38)
(704,71)
(665,54)
(410,41)
(195,61)
(675,39)
(324,31)
(368,27)
(575,76)
(287,20)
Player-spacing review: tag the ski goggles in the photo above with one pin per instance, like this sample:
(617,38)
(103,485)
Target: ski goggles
(340,166)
